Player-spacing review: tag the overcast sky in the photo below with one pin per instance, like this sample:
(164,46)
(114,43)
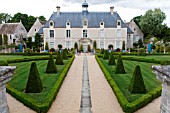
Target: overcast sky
(127,9)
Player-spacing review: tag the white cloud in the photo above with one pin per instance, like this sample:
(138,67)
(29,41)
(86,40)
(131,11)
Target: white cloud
(127,9)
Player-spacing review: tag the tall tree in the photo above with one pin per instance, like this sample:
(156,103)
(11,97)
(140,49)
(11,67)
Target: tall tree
(38,40)
(137,20)
(42,18)
(152,21)
(4,17)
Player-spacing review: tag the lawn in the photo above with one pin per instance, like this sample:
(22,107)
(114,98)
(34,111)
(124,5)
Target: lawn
(12,57)
(19,79)
(123,80)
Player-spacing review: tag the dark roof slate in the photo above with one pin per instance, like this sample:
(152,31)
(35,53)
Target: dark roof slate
(94,19)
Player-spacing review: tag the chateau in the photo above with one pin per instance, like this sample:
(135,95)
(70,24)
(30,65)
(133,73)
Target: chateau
(66,28)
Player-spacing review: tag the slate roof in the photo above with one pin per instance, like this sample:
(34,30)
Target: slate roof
(94,19)
(8,28)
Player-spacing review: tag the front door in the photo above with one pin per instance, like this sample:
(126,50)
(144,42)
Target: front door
(85,48)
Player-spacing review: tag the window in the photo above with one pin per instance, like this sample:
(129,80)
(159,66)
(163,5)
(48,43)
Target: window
(68,44)
(68,23)
(68,33)
(51,45)
(118,45)
(136,38)
(102,33)
(118,23)
(84,33)
(101,23)
(10,37)
(101,44)
(85,23)
(35,29)
(51,23)
(52,33)
(118,33)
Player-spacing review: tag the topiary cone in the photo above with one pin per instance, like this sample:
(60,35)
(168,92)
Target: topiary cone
(64,55)
(137,84)
(111,60)
(51,67)
(59,59)
(119,66)
(106,55)
(34,84)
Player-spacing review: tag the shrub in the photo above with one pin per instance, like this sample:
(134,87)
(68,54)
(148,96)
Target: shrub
(119,66)
(5,39)
(106,55)
(34,84)
(52,50)
(88,48)
(64,55)
(75,45)
(102,51)
(59,59)
(137,84)
(94,44)
(0,39)
(51,67)
(46,46)
(3,63)
(111,60)
(123,45)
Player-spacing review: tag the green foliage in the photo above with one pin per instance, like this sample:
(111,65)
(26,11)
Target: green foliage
(3,63)
(123,45)
(94,44)
(46,46)
(64,54)
(135,45)
(119,66)
(75,45)
(106,55)
(42,18)
(47,97)
(137,20)
(0,39)
(137,85)
(140,43)
(60,46)
(51,67)
(111,60)
(152,21)
(5,39)
(29,42)
(59,59)
(102,51)
(128,107)
(4,17)
(38,40)
(34,84)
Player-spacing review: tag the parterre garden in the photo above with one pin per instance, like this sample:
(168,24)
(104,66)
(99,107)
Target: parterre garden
(51,82)
(121,83)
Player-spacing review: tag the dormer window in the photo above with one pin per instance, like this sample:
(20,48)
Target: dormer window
(51,23)
(118,23)
(85,22)
(68,23)
(102,24)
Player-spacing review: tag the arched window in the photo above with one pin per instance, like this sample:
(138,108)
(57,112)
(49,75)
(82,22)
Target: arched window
(51,23)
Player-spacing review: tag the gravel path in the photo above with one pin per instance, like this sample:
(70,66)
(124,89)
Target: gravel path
(103,98)
(69,96)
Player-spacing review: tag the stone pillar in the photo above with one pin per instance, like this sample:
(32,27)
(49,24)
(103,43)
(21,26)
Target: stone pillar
(6,73)
(163,74)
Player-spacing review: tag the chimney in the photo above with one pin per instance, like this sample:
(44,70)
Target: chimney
(112,10)
(58,10)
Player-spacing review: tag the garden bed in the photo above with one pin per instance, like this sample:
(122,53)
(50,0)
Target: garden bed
(39,102)
(120,84)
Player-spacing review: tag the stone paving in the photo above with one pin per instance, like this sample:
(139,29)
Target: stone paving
(68,99)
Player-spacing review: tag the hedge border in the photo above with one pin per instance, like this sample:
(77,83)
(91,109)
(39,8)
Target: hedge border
(37,106)
(127,106)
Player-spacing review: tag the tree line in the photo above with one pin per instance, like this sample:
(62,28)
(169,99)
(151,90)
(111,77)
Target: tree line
(27,20)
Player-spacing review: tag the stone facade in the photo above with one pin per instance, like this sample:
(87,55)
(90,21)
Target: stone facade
(6,73)
(163,74)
